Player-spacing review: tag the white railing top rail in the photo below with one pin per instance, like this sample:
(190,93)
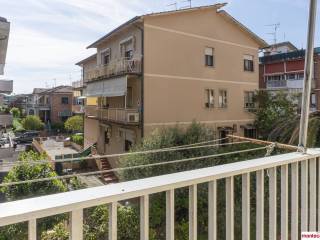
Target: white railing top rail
(28,209)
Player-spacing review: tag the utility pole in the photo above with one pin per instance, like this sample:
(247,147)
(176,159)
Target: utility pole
(308,72)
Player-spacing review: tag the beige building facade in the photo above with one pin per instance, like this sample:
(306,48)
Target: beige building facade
(170,68)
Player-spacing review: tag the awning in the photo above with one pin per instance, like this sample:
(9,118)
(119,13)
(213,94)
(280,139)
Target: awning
(107,88)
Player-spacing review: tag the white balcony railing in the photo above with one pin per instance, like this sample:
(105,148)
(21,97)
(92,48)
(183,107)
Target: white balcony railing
(114,68)
(113,114)
(301,183)
(277,83)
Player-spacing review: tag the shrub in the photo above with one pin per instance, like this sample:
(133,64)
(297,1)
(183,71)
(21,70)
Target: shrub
(78,139)
(15,112)
(32,123)
(74,124)
(59,232)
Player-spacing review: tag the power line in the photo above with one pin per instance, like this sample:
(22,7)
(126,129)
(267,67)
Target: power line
(129,168)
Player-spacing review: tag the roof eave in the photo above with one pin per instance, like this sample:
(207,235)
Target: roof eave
(262,43)
(94,45)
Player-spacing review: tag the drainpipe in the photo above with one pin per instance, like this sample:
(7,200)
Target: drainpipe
(308,70)
(142,80)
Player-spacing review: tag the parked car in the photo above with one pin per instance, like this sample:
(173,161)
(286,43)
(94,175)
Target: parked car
(26,137)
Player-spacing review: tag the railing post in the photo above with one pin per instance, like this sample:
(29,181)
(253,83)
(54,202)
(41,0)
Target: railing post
(246,206)
(113,212)
(284,202)
(193,218)
(260,205)
(77,224)
(170,215)
(32,229)
(144,217)
(272,203)
(229,209)
(313,195)
(294,200)
(304,196)
(212,210)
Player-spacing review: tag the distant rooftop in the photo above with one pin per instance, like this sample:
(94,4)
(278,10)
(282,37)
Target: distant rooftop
(286,56)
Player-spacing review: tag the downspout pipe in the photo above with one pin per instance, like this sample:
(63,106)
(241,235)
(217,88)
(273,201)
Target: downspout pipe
(308,73)
(142,80)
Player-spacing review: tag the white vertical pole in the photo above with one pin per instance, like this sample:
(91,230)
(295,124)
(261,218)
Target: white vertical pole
(284,202)
(77,224)
(294,200)
(246,206)
(170,215)
(193,212)
(308,72)
(318,194)
(144,217)
(212,210)
(304,196)
(313,195)
(260,205)
(32,229)
(272,203)
(229,209)
(113,207)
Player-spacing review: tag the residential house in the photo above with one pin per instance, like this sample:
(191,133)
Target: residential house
(282,69)
(52,105)
(162,69)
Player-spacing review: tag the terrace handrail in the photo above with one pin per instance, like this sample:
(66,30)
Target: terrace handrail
(74,202)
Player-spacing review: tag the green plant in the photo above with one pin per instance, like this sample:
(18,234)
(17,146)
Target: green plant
(78,139)
(32,122)
(59,232)
(15,112)
(74,124)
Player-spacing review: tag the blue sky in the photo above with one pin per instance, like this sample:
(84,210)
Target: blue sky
(49,36)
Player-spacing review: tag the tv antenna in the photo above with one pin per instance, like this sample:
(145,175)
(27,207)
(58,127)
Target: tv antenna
(189,4)
(275,27)
(175,4)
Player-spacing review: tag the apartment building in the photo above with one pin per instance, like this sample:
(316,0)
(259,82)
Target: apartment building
(4,36)
(168,68)
(53,105)
(282,69)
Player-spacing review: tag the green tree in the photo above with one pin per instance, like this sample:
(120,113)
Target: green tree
(25,171)
(273,109)
(15,112)
(74,124)
(32,122)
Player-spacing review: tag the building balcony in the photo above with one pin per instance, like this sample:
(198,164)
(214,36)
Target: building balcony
(40,106)
(114,68)
(259,182)
(117,115)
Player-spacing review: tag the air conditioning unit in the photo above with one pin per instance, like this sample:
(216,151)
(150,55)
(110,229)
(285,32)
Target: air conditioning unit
(133,117)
